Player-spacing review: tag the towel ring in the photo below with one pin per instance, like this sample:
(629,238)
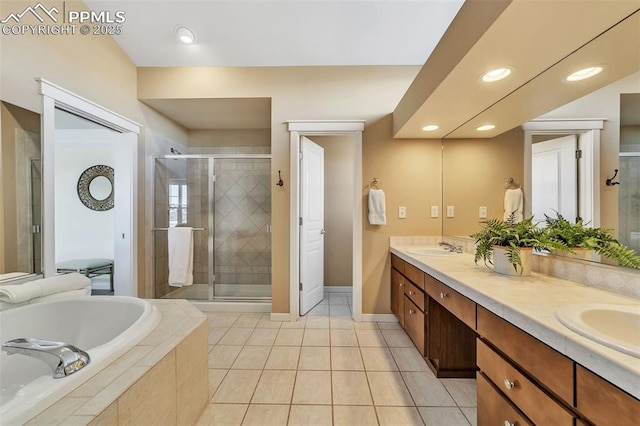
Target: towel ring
(512,183)
(376,183)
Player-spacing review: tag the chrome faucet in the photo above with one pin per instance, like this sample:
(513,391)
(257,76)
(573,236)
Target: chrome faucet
(451,247)
(63,358)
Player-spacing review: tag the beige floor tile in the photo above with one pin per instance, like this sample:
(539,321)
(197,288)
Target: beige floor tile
(312,387)
(215,378)
(236,336)
(237,387)
(221,319)
(337,299)
(378,359)
(399,416)
(463,391)
(262,337)
(353,415)
(397,339)
(222,414)
(283,358)
(388,388)
(266,322)
(274,387)
(248,320)
(426,390)
(368,325)
(317,322)
(371,338)
(315,358)
(266,415)
(350,388)
(310,415)
(316,337)
(252,358)
(215,334)
(289,337)
(342,323)
(443,416)
(339,310)
(322,309)
(344,358)
(471,413)
(409,359)
(343,337)
(389,325)
(223,356)
(300,323)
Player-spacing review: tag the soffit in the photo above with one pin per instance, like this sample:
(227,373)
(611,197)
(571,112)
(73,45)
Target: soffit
(528,36)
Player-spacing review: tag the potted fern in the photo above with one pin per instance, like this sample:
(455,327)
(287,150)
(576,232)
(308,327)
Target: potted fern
(577,237)
(508,246)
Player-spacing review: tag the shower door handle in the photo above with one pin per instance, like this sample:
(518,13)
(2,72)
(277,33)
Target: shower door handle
(322,232)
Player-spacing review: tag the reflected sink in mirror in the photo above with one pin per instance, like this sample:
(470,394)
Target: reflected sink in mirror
(431,251)
(615,326)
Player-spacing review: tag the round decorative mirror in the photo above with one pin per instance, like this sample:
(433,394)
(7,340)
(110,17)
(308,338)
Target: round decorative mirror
(95,187)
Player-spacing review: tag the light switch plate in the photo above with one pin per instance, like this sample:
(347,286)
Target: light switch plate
(402,212)
(434,211)
(482,212)
(450,211)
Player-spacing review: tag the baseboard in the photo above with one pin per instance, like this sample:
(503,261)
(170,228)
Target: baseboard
(243,307)
(280,317)
(378,318)
(338,288)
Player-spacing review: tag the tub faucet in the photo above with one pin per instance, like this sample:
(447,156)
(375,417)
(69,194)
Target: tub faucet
(63,358)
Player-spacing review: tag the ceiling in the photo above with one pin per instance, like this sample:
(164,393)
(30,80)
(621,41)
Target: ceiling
(282,33)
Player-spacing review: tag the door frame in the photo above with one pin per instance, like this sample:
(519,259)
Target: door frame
(54,96)
(297,129)
(589,179)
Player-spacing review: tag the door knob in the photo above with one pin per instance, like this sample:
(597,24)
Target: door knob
(322,231)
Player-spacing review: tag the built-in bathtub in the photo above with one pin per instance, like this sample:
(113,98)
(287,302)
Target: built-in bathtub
(105,327)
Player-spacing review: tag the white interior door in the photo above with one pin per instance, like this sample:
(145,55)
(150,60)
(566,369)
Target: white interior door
(312,225)
(554,178)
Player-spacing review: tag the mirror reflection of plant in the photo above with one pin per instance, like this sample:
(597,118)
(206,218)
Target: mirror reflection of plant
(513,236)
(600,240)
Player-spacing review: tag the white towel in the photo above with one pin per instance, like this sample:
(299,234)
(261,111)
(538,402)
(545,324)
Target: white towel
(20,293)
(377,209)
(513,204)
(180,256)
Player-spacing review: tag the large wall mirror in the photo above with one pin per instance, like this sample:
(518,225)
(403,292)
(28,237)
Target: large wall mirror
(20,193)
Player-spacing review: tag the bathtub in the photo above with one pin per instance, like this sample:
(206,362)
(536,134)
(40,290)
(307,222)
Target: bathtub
(105,327)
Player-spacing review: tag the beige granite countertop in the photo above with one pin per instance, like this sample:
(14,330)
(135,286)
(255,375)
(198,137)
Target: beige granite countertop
(530,303)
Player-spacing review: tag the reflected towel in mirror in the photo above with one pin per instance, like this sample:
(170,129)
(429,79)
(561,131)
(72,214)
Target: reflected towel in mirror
(513,204)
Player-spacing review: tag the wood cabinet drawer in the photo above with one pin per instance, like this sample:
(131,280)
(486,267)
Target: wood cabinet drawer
(494,409)
(415,294)
(400,298)
(548,367)
(529,398)
(414,324)
(602,403)
(395,285)
(414,274)
(457,304)
(397,263)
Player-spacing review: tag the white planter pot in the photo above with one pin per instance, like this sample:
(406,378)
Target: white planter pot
(501,263)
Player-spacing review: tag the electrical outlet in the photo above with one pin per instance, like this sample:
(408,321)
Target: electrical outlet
(434,211)
(450,211)
(402,212)
(482,212)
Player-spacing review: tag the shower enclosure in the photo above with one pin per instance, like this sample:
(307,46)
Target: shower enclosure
(629,200)
(226,199)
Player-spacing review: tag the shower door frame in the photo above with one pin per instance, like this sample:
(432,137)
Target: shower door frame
(211,218)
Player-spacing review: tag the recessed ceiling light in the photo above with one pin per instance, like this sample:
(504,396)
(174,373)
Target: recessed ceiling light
(185,35)
(584,73)
(430,127)
(485,127)
(496,75)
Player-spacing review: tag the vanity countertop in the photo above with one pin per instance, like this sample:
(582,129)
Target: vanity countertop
(530,304)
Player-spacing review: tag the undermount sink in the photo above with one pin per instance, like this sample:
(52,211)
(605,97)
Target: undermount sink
(430,251)
(615,326)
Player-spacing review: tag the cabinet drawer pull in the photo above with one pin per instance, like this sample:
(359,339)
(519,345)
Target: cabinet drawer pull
(508,423)
(401,284)
(509,384)
(443,295)
(411,293)
(411,312)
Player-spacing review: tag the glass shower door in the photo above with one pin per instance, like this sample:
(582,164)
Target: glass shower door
(629,200)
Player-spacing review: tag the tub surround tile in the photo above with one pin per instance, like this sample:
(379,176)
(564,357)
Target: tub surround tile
(192,385)
(58,412)
(78,421)
(108,417)
(111,392)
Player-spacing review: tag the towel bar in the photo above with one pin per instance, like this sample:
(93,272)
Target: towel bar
(166,229)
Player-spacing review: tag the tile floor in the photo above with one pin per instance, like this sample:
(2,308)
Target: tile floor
(325,369)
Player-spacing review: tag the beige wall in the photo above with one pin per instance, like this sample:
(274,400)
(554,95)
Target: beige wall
(338,208)
(297,93)
(11,118)
(93,67)
(410,171)
(475,171)
(230,138)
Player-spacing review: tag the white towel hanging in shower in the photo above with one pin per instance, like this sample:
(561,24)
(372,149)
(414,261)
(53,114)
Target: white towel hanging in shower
(180,256)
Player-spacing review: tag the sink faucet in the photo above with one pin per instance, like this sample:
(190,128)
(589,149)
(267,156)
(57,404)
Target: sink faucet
(451,247)
(63,358)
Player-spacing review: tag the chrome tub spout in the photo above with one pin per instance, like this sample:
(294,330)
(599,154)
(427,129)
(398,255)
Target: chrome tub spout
(63,358)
